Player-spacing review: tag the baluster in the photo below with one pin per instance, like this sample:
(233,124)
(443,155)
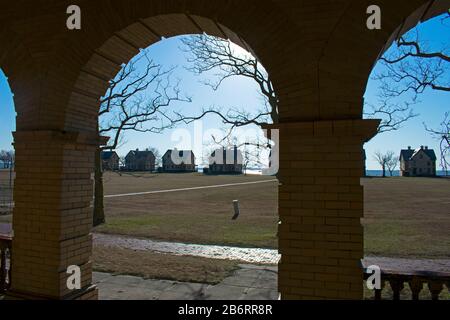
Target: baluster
(397,286)
(416,286)
(2,269)
(378,293)
(436,288)
(10,266)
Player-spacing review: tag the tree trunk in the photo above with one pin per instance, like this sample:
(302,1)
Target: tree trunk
(99,212)
(384,172)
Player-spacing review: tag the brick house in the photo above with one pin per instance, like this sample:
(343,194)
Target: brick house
(178,161)
(226,161)
(140,161)
(110,161)
(418,163)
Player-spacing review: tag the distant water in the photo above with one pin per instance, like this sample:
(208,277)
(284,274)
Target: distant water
(254,171)
(379,173)
(370,173)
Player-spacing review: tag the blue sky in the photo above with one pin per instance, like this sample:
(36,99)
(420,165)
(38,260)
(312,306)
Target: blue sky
(243,93)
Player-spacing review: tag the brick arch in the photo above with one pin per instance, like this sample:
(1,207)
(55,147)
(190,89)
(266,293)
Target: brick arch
(352,51)
(16,63)
(319,55)
(148,24)
(123,46)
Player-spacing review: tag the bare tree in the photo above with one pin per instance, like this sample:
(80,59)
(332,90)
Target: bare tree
(443,135)
(158,156)
(386,160)
(392,162)
(138,99)
(252,148)
(7,157)
(413,68)
(393,115)
(212,56)
(409,69)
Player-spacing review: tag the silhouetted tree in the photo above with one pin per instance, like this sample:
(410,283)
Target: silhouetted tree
(7,157)
(443,135)
(410,70)
(386,161)
(138,99)
(208,55)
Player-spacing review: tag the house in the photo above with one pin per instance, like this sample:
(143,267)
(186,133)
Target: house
(418,163)
(140,161)
(110,161)
(226,161)
(178,161)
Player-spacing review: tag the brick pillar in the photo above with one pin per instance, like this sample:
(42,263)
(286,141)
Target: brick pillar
(52,217)
(321,206)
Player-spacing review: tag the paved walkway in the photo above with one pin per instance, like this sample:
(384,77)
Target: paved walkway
(5,228)
(246,255)
(248,283)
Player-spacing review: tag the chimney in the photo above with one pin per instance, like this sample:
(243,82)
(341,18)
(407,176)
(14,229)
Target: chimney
(421,147)
(409,148)
(426,147)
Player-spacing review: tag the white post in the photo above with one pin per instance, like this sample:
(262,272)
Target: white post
(237,211)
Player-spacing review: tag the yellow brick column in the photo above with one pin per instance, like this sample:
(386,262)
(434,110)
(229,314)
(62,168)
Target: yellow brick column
(321,206)
(52,217)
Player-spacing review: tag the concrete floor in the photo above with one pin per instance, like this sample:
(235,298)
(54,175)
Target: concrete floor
(247,283)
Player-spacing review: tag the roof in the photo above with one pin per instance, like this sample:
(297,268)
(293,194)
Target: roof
(106,155)
(141,154)
(181,153)
(231,153)
(410,153)
(184,157)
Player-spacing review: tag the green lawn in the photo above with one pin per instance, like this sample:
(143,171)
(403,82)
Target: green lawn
(404,217)
(197,216)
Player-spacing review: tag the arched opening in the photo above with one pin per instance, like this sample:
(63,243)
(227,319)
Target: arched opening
(313,53)
(150,205)
(7,123)
(7,176)
(405,184)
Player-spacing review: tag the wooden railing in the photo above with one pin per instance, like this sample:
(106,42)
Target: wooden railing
(5,262)
(435,282)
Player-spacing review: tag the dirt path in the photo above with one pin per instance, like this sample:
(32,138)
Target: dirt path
(187,189)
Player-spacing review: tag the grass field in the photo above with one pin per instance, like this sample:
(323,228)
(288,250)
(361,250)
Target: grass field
(162,266)
(407,217)
(197,216)
(404,217)
(6,189)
